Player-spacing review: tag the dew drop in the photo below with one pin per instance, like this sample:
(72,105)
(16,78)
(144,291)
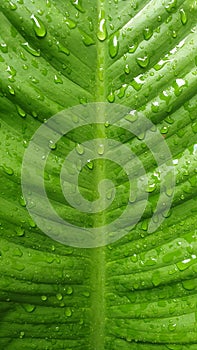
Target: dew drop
(101,149)
(111,97)
(80,149)
(58,79)
(102,30)
(69,290)
(43,297)
(4,47)
(133,47)
(171,6)
(90,164)
(113,46)
(183,16)
(70,23)
(20,231)
(8,170)
(12,6)
(147,33)
(39,27)
(59,296)
(29,308)
(78,5)
(20,111)
(142,61)
(68,312)
(63,49)
(31,50)
(127,69)
(11,90)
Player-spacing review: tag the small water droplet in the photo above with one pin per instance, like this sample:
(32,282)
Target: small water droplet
(58,79)
(12,6)
(101,149)
(4,47)
(39,27)
(8,170)
(70,23)
(29,308)
(20,231)
(171,6)
(20,111)
(31,50)
(44,298)
(155,106)
(143,61)
(127,69)
(90,164)
(11,90)
(147,33)
(80,149)
(21,335)
(69,290)
(113,46)
(78,5)
(111,97)
(22,201)
(52,145)
(62,48)
(172,326)
(183,16)
(102,30)
(68,312)
(133,47)
(59,296)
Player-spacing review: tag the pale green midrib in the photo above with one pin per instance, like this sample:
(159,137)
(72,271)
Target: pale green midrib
(97,332)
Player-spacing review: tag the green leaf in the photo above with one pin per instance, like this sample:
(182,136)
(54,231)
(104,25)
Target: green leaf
(138,292)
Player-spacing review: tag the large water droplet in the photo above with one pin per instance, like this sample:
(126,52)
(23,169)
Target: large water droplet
(39,27)
(113,45)
(102,30)
(31,50)
(143,61)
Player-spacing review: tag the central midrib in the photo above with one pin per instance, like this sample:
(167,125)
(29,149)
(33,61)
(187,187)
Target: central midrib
(98,254)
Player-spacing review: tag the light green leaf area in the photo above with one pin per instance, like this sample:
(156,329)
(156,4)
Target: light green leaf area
(139,293)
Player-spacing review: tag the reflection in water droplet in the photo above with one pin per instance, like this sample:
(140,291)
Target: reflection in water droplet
(30,49)
(39,27)
(62,48)
(143,61)
(102,30)
(183,16)
(113,46)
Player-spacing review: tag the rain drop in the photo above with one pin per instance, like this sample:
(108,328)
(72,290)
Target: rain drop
(39,27)
(142,61)
(31,50)
(102,30)
(113,46)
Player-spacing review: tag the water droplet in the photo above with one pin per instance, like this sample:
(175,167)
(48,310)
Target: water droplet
(143,61)
(22,201)
(39,27)
(101,149)
(29,308)
(151,188)
(52,145)
(183,265)
(69,290)
(20,231)
(172,326)
(137,83)
(68,312)
(164,130)
(70,23)
(155,106)
(12,6)
(113,46)
(133,47)
(43,297)
(90,164)
(8,170)
(58,79)
(174,34)
(4,47)
(194,127)
(59,296)
(20,111)
(87,40)
(21,335)
(102,30)
(171,6)
(86,294)
(147,33)
(80,149)
(78,5)
(183,16)
(31,50)
(11,90)
(62,48)
(111,97)
(127,69)
(189,284)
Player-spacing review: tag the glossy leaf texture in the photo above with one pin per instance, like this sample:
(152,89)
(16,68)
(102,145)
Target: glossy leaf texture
(140,292)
